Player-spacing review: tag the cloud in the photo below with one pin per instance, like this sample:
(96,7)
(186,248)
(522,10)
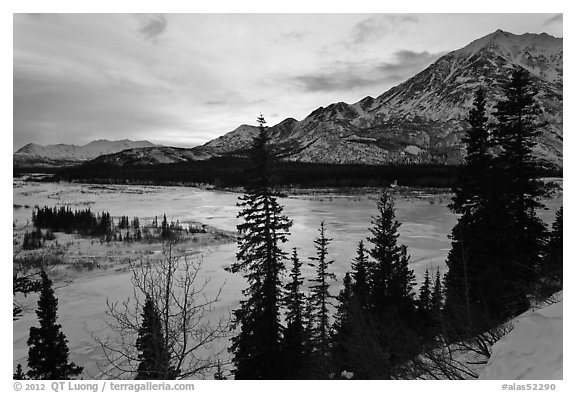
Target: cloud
(151,25)
(558,18)
(54,107)
(234,102)
(378,26)
(292,36)
(343,76)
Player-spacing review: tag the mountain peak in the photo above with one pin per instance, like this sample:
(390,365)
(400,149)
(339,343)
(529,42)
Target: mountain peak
(510,43)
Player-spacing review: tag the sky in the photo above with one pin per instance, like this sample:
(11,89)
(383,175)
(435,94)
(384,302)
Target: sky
(184,79)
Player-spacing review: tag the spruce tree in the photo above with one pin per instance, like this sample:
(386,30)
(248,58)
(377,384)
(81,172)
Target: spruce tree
(393,322)
(425,294)
(473,267)
(391,279)
(320,291)
(153,355)
(294,339)
(263,229)
(436,306)
(47,345)
(436,298)
(472,185)
(523,232)
(361,273)
(19,374)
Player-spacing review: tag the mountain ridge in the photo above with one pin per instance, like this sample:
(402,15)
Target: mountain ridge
(422,119)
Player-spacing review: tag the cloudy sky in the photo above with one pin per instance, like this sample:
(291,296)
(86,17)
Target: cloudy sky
(183,79)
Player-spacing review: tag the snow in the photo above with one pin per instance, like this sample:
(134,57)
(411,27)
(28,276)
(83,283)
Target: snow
(86,152)
(533,349)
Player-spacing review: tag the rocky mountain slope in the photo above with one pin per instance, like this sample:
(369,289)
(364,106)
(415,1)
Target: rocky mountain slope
(422,119)
(61,154)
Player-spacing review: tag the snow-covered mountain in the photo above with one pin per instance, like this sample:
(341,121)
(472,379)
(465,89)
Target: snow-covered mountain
(61,154)
(423,118)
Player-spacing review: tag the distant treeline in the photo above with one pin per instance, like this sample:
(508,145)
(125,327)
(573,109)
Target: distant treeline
(66,220)
(232,172)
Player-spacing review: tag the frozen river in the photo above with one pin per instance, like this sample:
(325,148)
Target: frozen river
(426,223)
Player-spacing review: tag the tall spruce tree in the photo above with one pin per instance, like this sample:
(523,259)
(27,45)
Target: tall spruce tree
(524,233)
(393,322)
(153,353)
(436,298)
(294,339)
(391,279)
(263,229)
(320,291)
(47,344)
(472,261)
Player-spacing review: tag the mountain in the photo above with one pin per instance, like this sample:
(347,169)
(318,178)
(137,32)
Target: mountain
(33,155)
(422,120)
(149,156)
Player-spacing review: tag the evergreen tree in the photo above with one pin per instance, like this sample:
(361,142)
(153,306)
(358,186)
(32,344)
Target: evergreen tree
(360,272)
(165,231)
(294,339)
(392,281)
(436,307)
(153,352)
(392,327)
(523,232)
(263,229)
(19,374)
(473,186)
(320,291)
(47,345)
(425,294)
(473,268)
(436,299)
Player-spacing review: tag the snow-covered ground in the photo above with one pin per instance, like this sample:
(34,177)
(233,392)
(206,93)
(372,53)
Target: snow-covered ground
(426,223)
(533,349)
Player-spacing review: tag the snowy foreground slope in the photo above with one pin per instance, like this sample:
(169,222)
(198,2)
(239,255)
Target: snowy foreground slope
(533,349)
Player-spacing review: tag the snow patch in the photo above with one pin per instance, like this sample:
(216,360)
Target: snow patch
(533,349)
